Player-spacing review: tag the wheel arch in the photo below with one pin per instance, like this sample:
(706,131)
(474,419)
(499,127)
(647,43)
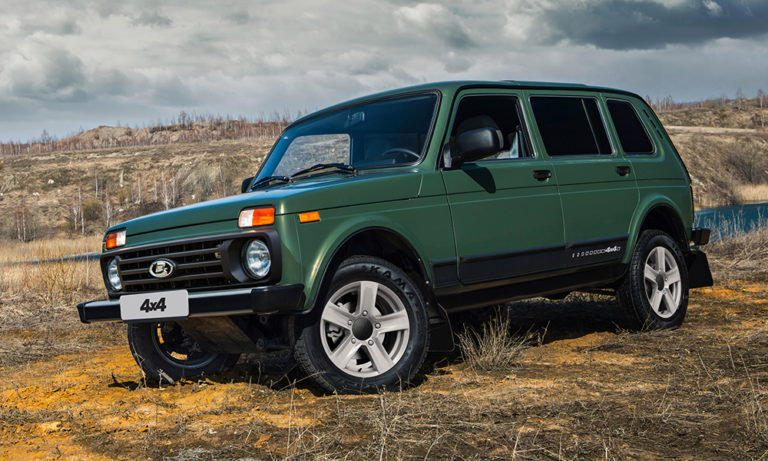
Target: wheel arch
(659,213)
(376,240)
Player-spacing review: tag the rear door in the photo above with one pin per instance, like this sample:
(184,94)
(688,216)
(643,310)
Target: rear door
(505,208)
(657,168)
(597,186)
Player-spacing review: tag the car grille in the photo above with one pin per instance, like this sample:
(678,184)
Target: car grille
(198,266)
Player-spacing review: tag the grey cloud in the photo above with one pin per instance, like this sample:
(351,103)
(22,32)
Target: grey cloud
(172,92)
(153,19)
(239,17)
(434,20)
(63,27)
(114,82)
(645,24)
(362,62)
(53,74)
(288,55)
(456,63)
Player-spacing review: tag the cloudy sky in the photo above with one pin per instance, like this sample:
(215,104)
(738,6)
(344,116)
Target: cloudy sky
(71,64)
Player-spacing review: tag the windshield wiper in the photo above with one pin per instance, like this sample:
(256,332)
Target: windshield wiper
(325,166)
(269,179)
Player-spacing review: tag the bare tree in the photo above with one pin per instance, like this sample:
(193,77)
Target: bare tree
(20,221)
(164,192)
(739,99)
(77,211)
(107,209)
(138,200)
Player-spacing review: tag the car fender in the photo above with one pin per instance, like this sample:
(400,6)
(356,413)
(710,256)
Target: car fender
(646,205)
(317,265)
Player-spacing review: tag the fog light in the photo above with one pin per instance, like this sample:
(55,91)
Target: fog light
(256,259)
(113,276)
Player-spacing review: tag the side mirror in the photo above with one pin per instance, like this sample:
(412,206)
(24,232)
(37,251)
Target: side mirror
(244,186)
(475,144)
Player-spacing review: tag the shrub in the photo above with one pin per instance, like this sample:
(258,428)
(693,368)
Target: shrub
(93,209)
(748,163)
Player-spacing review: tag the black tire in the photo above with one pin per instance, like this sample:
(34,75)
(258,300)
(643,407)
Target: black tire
(166,354)
(633,292)
(313,347)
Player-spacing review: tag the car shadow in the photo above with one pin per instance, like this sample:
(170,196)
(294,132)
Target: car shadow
(546,320)
(577,315)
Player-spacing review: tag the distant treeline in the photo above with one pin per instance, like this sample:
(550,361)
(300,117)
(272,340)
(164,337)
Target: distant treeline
(185,128)
(188,128)
(668,104)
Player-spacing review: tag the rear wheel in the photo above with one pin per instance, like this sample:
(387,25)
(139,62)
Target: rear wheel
(371,330)
(167,354)
(654,293)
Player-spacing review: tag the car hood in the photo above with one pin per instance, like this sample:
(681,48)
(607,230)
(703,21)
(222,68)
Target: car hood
(307,194)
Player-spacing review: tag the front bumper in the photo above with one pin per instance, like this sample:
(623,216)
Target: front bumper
(260,300)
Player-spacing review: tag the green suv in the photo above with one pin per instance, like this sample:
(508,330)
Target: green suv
(371,221)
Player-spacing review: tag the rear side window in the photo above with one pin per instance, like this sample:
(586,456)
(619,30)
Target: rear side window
(570,126)
(632,135)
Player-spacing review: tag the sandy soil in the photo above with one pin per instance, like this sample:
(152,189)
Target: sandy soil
(587,389)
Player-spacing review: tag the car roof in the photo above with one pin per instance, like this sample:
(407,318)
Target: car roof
(453,86)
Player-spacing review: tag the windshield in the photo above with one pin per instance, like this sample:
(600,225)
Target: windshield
(382,133)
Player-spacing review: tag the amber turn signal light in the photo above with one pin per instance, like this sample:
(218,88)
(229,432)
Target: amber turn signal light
(114,239)
(253,217)
(309,216)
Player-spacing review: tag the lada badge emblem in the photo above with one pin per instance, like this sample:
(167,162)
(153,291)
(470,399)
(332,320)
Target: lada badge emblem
(162,268)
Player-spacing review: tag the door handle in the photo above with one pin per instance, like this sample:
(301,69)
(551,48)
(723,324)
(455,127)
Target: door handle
(623,170)
(542,175)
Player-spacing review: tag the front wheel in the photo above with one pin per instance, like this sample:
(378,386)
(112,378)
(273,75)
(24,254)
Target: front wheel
(167,354)
(654,292)
(371,330)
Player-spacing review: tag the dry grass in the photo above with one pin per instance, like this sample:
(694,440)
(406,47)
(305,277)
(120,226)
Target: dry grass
(495,347)
(585,390)
(740,256)
(15,251)
(53,281)
(753,193)
(724,167)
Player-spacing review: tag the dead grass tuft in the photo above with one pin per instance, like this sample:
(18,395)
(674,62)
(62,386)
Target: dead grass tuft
(51,279)
(741,255)
(495,347)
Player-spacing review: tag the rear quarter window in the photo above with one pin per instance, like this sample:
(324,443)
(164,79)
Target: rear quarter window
(632,134)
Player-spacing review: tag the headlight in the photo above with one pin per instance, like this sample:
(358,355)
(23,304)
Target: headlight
(113,276)
(256,259)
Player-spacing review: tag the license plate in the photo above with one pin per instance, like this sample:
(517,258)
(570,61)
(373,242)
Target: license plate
(154,306)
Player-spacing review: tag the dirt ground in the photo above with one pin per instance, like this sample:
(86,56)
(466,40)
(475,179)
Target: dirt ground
(586,389)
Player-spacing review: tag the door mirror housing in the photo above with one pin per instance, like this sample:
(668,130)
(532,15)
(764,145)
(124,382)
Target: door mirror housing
(244,186)
(474,145)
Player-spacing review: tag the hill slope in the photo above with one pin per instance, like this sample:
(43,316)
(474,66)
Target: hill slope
(82,191)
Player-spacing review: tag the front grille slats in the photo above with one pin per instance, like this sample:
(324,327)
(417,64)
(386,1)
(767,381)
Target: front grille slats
(216,263)
(157,254)
(198,266)
(181,278)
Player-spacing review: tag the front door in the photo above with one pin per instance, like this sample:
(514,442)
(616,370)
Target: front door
(505,208)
